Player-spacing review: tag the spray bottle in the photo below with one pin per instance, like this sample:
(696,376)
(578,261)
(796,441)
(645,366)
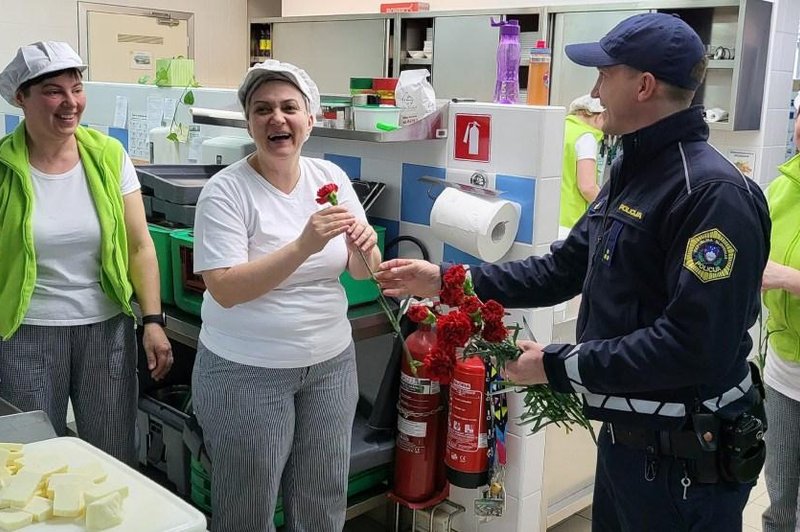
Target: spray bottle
(506,89)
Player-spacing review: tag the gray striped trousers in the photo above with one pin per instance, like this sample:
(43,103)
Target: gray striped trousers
(268,428)
(782,469)
(41,367)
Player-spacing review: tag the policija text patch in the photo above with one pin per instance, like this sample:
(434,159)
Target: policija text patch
(709,256)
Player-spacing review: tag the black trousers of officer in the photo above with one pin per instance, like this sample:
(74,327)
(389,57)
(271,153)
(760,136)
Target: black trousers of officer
(626,501)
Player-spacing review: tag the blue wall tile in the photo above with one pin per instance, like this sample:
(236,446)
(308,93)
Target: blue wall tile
(415,205)
(523,191)
(457,256)
(119,134)
(350,165)
(12,121)
(392,230)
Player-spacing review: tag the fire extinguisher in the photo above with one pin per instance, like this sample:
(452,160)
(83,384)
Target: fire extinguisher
(467,456)
(417,449)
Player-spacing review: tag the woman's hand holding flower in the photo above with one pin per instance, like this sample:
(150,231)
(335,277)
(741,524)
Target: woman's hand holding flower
(322,226)
(361,236)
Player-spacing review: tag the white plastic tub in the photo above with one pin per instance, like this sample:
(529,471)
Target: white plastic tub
(367,118)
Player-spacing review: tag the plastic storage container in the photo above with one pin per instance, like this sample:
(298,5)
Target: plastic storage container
(187,287)
(161,241)
(539,75)
(506,88)
(366,118)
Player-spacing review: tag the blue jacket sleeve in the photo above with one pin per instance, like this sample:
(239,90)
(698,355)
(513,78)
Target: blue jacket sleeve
(538,281)
(717,243)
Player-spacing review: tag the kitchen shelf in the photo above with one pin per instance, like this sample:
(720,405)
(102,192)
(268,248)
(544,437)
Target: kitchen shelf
(432,127)
(412,61)
(721,63)
(258,58)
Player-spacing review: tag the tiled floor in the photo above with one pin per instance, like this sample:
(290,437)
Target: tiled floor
(582,521)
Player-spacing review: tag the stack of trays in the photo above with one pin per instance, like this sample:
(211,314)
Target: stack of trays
(170,191)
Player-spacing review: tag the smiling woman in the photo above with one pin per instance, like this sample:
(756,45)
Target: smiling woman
(75,248)
(274,382)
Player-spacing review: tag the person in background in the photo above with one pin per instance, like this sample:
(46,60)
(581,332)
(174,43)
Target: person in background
(582,136)
(274,383)
(781,285)
(75,249)
(669,261)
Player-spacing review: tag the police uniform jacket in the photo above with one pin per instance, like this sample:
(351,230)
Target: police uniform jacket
(669,259)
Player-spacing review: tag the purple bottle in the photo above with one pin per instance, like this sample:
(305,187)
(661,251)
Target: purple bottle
(506,89)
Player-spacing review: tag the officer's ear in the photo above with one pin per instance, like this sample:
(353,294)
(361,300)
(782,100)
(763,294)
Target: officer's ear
(646,88)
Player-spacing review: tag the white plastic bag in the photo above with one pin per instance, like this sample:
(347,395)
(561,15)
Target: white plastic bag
(414,96)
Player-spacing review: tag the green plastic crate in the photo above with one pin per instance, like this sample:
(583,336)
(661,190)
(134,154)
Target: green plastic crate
(363,290)
(187,287)
(161,241)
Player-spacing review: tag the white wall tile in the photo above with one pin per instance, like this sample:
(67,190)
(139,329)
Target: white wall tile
(407,250)
(384,171)
(525,464)
(779,94)
(772,156)
(777,121)
(518,252)
(548,198)
(530,518)
(541,322)
(783,48)
(466,521)
(785,15)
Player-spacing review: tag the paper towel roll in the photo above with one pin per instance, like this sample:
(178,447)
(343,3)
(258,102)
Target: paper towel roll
(482,227)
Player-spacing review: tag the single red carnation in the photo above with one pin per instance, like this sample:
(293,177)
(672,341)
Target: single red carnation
(452,296)
(440,364)
(453,330)
(454,277)
(471,306)
(493,311)
(494,331)
(418,313)
(327,194)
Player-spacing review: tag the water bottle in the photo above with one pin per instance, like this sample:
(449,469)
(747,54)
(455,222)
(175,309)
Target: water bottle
(539,75)
(506,89)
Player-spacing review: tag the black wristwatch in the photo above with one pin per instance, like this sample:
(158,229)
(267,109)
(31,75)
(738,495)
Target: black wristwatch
(160,319)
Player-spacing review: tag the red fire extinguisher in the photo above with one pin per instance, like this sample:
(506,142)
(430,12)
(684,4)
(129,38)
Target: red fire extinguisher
(467,456)
(418,447)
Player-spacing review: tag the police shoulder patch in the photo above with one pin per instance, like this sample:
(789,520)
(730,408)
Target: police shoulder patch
(709,256)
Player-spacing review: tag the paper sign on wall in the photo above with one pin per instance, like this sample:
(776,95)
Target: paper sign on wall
(745,161)
(473,137)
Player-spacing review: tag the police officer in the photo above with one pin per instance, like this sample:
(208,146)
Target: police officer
(669,260)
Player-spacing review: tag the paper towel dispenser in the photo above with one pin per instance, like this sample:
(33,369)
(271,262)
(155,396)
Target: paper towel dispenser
(225,150)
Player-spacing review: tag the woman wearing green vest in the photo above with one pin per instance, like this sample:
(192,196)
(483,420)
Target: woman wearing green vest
(582,135)
(781,285)
(75,249)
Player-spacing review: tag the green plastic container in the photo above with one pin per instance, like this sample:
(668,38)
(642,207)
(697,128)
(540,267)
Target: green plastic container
(364,290)
(161,241)
(187,287)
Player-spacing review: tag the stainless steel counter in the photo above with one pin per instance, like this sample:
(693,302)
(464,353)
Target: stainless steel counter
(367,321)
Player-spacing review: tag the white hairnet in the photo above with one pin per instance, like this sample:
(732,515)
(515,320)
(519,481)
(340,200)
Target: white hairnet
(586,103)
(796,102)
(274,69)
(35,60)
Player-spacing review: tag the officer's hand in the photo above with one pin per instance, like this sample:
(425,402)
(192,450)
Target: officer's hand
(402,277)
(774,276)
(529,367)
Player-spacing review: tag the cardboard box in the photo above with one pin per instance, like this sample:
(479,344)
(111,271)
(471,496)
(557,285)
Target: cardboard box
(405,7)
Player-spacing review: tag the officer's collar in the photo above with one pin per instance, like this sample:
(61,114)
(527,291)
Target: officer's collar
(684,126)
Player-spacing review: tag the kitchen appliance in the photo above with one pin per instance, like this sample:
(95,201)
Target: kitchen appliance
(225,150)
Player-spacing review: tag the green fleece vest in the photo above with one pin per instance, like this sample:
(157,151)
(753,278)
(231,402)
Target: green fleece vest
(102,157)
(784,308)
(573,205)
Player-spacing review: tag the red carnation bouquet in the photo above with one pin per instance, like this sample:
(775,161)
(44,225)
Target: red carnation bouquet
(472,327)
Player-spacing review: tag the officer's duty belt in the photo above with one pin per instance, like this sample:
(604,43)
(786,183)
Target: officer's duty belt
(675,443)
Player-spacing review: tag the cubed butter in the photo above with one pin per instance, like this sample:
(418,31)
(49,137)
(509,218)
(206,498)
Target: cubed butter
(104,513)
(14,519)
(105,489)
(12,446)
(91,469)
(40,508)
(81,482)
(68,501)
(47,466)
(21,489)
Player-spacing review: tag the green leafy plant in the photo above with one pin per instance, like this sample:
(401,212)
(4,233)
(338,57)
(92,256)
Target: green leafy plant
(178,132)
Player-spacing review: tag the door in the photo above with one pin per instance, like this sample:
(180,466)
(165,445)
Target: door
(568,80)
(123,47)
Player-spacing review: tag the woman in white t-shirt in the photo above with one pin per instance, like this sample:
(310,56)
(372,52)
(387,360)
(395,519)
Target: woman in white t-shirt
(75,248)
(274,383)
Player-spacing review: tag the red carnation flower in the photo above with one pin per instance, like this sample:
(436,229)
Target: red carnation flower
(452,296)
(327,194)
(494,331)
(453,330)
(471,306)
(454,277)
(420,314)
(493,311)
(440,364)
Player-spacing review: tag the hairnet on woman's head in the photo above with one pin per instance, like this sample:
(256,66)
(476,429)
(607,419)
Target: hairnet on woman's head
(272,69)
(34,60)
(586,103)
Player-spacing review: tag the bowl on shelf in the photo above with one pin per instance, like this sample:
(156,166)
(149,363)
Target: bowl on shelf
(416,54)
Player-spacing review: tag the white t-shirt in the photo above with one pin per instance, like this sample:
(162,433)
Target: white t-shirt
(586,147)
(66,237)
(240,216)
(782,375)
